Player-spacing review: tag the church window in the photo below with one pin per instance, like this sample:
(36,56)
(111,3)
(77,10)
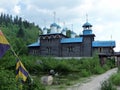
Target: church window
(49,50)
(70,49)
(100,50)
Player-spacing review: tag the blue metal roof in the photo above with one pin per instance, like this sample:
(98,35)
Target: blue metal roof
(71,40)
(103,44)
(36,44)
(87,24)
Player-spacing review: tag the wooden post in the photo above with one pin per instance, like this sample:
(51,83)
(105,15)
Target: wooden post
(102,59)
(118,63)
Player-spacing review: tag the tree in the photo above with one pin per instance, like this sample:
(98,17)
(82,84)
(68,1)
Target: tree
(20,22)
(68,33)
(20,33)
(16,20)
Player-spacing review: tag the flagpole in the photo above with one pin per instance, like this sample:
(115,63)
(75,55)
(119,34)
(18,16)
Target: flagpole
(13,51)
(19,85)
(31,80)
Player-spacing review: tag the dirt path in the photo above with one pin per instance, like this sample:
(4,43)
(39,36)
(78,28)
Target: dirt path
(94,83)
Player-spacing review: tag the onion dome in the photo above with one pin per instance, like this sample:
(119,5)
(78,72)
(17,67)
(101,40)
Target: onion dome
(87,29)
(73,34)
(87,24)
(53,25)
(64,30)
(44,30)
(53,28)
(58,27)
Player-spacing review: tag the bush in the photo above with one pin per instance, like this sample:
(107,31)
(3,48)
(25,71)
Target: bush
(35,85)
(38,65)
(106,67)
(107,85)
(7,80)
(85,73)
(115,79)
(110,62)
(98,70)
(63,67)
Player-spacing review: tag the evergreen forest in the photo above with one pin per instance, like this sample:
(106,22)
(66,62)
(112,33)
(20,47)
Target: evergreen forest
(19,32)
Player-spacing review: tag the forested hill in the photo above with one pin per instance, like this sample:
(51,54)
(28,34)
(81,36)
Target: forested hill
(18,32)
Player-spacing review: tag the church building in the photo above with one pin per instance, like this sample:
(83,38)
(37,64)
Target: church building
(58,44)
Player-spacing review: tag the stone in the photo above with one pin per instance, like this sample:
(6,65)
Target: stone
(47,80)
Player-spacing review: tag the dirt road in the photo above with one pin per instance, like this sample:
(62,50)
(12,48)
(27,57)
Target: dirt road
(94,83)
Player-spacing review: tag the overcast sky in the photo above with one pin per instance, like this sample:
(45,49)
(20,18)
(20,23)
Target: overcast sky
(104,15)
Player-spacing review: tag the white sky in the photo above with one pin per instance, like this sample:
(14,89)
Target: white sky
(104,15)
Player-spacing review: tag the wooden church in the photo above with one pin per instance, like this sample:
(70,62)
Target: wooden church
(57,44)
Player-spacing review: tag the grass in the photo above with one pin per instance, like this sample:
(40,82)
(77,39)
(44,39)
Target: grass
(112,83)
(71,71)
(66,84)
(115,79)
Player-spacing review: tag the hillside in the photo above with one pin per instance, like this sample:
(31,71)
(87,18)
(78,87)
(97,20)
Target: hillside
(18,32)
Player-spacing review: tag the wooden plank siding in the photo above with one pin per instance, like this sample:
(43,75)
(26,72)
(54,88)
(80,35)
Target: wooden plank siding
(71,50)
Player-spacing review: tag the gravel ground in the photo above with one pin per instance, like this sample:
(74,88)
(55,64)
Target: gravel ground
(94,83)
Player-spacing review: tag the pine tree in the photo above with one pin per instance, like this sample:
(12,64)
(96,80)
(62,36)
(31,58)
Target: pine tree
(20,33)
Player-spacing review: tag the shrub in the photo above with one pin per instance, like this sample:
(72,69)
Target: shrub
(106,67)
(7,80)
(35,85)
(98,70)
(115,79)
(107,85)
(37,65)
(110,62)
(85,73)
(63,67)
